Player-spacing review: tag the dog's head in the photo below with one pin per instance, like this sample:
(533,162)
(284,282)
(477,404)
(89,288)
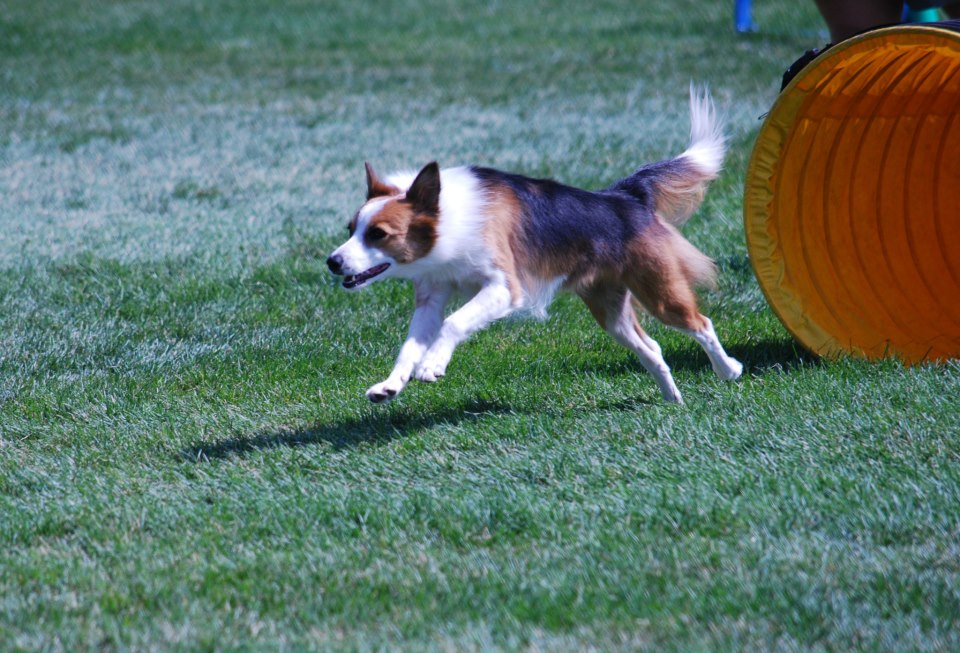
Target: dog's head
(390,231)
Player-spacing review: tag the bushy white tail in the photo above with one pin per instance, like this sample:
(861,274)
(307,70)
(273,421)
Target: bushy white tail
(682,182)
(707,142)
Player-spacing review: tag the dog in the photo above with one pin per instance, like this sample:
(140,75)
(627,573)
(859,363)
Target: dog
(510,242)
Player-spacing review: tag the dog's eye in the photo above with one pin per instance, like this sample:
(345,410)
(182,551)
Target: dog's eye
(375,234)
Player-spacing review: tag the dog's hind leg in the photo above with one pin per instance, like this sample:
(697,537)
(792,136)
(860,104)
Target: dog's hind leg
(667,295)
(726,367)
(611,308)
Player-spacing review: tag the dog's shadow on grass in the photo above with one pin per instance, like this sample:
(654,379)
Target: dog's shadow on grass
(386,424)
(759,358)
(773,355)
(376,428)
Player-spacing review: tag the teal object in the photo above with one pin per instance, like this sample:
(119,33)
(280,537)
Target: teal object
(930,15)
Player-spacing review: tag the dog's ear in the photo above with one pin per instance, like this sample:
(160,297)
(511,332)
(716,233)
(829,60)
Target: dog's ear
(424,192)
(377,187)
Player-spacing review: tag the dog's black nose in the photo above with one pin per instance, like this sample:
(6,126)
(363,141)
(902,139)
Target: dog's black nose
(335,263)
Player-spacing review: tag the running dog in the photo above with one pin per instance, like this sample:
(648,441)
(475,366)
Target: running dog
(510,243)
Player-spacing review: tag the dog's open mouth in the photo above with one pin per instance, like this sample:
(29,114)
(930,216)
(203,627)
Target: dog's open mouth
(354,280)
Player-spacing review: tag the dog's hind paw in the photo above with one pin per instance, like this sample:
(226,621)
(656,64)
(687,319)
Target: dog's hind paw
(730,370)
(384,392)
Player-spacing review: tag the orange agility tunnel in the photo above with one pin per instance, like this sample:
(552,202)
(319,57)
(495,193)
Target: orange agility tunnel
(852,197)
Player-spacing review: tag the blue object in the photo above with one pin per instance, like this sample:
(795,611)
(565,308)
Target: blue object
(742,16)
(928,15)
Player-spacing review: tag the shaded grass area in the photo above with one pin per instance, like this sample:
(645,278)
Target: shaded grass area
(186,457)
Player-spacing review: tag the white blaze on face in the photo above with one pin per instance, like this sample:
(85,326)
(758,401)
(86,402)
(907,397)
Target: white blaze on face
(361,262)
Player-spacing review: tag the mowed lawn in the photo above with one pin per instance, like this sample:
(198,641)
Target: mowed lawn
(187,461)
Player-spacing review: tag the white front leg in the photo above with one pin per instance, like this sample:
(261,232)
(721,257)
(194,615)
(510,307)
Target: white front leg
(424,326)
(491,303)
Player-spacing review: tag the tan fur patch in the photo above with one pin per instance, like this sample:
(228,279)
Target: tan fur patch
(662,273)
(500,233)
(604,300)
(679,194)
(576,265)
(376,187)
(409,235)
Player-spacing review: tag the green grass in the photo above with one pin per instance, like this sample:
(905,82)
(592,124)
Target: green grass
(186,457)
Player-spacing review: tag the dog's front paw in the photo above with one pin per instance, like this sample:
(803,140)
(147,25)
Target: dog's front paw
(384,392)
(433,366)
(427,374)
